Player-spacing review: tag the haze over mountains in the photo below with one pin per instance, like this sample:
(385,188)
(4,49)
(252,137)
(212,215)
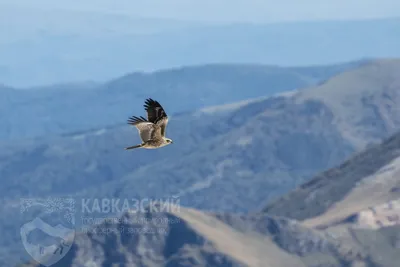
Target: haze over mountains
(234,157)
(46,47)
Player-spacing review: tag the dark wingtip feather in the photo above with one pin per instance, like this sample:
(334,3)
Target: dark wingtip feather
(134,120)
(150,103)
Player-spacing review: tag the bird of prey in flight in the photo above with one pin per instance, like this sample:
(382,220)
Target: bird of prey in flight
(152,130)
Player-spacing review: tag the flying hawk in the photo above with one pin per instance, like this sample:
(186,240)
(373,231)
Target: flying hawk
(152,130)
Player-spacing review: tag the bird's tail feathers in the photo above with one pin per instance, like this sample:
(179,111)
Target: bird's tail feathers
(132,147)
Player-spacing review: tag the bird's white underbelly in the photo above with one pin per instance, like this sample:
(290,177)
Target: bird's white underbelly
(151,146)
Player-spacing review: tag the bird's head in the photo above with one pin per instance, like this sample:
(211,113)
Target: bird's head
(169,141)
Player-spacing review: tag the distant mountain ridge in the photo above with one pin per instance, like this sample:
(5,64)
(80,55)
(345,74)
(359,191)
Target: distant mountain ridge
(76,107)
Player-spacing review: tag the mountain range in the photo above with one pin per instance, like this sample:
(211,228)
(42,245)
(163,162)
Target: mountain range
(231,158)
(65,108)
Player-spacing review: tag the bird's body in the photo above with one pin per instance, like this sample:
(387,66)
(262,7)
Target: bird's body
(152,129)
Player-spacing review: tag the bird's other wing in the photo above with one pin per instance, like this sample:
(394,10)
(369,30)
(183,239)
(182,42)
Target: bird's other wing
(155,111)
(147,130)
(156,114)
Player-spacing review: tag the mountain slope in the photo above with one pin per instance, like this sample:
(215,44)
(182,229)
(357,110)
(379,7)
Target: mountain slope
(368,179)
(356,92)
(182,237)
(187,237)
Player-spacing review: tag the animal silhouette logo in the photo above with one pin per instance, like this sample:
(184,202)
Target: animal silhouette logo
(48,237)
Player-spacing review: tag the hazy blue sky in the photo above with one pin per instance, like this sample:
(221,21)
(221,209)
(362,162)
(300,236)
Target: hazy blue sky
(228,10)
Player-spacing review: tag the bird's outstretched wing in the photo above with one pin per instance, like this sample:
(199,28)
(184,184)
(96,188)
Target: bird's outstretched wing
(156,114)
(147,130)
